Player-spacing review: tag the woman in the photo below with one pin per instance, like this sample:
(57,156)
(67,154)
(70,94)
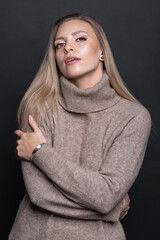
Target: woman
(82,140)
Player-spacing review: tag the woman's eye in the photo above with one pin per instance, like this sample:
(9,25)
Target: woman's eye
(81,39)
(59,45)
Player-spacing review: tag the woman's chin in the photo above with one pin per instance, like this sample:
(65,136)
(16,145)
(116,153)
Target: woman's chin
(74,75)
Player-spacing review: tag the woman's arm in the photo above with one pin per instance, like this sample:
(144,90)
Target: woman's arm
(100,191)
(46,195)
(103,190)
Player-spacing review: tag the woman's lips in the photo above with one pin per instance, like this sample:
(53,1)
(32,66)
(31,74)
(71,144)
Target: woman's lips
(71,60)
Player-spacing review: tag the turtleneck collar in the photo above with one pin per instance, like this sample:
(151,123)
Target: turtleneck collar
(96,98)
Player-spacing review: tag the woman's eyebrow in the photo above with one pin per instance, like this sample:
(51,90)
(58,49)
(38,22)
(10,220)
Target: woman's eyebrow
(74,33)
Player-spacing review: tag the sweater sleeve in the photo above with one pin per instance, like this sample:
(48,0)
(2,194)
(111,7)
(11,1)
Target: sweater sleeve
(46,195)
(100,191)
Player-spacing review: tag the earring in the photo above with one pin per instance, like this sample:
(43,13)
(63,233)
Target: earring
(102,57)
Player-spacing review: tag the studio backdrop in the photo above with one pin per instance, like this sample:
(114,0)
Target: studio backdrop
(133,31)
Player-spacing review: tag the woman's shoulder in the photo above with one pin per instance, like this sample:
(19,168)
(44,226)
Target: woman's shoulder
(133,109)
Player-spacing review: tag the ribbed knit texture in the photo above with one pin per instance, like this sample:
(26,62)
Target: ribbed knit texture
(76,182)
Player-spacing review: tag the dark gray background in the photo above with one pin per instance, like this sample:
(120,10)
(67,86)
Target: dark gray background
(133,31)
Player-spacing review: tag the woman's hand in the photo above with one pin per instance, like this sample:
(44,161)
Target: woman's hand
(125,207)
(29,141)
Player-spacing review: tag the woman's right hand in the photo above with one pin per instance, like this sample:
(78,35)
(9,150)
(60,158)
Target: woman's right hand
(29,141)
(125,207)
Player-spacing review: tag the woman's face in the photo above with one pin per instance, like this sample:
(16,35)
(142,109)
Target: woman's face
(78,51)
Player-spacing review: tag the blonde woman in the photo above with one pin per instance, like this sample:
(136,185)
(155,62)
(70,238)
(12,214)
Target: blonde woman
(82,139)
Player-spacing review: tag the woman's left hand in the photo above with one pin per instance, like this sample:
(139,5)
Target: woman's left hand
(29,141)
(125,207)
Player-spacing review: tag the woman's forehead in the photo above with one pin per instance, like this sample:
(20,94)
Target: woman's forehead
(74,25)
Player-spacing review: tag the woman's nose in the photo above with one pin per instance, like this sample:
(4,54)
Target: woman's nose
(69,47)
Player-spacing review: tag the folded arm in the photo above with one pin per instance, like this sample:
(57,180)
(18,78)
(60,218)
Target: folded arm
(100,191)
(46,195)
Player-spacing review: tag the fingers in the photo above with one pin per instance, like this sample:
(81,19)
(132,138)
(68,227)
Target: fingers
(18,133)
(123,214)
(126,202)
(125,207)
(33,124)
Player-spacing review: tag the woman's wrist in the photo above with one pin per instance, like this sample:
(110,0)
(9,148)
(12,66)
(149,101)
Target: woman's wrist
(37,148)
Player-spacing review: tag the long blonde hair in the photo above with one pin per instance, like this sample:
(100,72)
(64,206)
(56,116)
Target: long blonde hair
(41,98)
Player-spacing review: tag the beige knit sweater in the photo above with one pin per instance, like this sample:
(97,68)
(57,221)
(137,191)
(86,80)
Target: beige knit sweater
(76,182)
